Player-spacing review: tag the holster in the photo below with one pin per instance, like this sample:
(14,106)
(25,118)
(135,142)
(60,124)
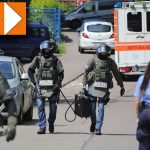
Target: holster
(106,98)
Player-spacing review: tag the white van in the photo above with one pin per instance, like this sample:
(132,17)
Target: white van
(132,37)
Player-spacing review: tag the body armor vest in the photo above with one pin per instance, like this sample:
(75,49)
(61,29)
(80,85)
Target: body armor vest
(101,78)
(47,75)
(102,71)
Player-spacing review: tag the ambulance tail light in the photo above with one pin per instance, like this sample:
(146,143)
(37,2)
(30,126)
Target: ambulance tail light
(126,69)
(85,35)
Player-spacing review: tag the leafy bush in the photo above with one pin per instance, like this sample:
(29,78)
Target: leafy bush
(48,4)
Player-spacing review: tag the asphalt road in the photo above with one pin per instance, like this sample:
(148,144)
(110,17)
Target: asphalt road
(118,132)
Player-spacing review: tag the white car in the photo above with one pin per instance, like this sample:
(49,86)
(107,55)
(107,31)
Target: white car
(19,81)
(93,33)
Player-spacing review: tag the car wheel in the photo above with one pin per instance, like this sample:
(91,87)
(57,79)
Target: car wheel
(29,114)
(20,116)
(75,24)
(81,50)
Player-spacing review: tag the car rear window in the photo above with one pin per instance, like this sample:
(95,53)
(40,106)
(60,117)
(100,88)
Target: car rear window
(36,32)
(7,69)
(98,28)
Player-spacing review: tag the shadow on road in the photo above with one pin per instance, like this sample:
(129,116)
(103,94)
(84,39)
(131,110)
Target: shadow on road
(33,122)
(131,78)
(66,38)
(118,134)
(71,133)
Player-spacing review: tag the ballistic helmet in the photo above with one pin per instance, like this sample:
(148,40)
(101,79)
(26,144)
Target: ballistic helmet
(103,49)
(47,48)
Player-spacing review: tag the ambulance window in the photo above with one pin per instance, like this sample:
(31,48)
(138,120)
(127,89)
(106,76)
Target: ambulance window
(148,21)
(134,22)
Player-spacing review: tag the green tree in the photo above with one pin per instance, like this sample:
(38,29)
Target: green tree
(48,4)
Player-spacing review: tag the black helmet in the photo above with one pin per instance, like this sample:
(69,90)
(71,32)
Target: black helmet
(103,48)
(1,52)
(47,48)
(103,51)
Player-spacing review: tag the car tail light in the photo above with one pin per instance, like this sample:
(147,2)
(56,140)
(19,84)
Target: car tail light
(127,4)
(127,69)
(85,35)
(112,36)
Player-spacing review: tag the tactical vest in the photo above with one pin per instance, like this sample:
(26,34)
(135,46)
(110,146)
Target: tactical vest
(101,72)
(47,75)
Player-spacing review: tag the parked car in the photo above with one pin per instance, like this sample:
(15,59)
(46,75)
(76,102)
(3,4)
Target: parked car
(26,45)
(19,81)
(93,9)
(94,32)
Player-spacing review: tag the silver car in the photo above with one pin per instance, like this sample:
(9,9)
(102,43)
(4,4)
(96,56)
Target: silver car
(93,33)
(19,81)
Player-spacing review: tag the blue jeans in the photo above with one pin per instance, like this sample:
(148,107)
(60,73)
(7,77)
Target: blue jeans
(100,114)
(52,110)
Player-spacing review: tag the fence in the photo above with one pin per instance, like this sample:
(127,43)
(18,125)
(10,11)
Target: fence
(48,16)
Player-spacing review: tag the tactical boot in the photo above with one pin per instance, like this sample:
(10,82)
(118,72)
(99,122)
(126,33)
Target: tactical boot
(41,131)
(92,127)
(51,128)
(98,131)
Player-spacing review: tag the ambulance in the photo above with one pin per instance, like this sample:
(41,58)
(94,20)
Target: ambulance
(132,36)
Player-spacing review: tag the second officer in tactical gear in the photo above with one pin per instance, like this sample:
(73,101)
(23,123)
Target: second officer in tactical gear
(98,77)
(49,75)
(7,102)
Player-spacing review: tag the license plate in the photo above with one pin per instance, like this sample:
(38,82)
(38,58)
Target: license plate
(46,83)
(100,85)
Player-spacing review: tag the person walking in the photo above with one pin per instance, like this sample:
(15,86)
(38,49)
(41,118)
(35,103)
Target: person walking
(98,78)
(46,73)
(142,107)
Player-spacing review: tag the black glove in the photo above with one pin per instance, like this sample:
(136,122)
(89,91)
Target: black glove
(84,91)
(122,91)
(10,133)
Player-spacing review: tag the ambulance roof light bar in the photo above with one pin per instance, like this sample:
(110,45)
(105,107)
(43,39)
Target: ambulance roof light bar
(135,4)
(118,5)
(121,4)
(130,4)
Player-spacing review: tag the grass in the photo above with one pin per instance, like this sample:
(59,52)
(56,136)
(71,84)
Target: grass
(61,48)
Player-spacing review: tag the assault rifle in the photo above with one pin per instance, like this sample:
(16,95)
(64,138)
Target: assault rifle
(2,107)
(38,90)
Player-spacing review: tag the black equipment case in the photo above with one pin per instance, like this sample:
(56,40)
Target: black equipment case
(82,105)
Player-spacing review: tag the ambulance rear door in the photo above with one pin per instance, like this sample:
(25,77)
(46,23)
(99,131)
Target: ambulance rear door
(135,43)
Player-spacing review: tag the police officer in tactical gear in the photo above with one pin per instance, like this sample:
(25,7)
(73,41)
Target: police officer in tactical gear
(7,98)
(46,73)
(98,77)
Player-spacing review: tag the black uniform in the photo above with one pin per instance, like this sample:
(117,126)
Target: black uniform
(6,97)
